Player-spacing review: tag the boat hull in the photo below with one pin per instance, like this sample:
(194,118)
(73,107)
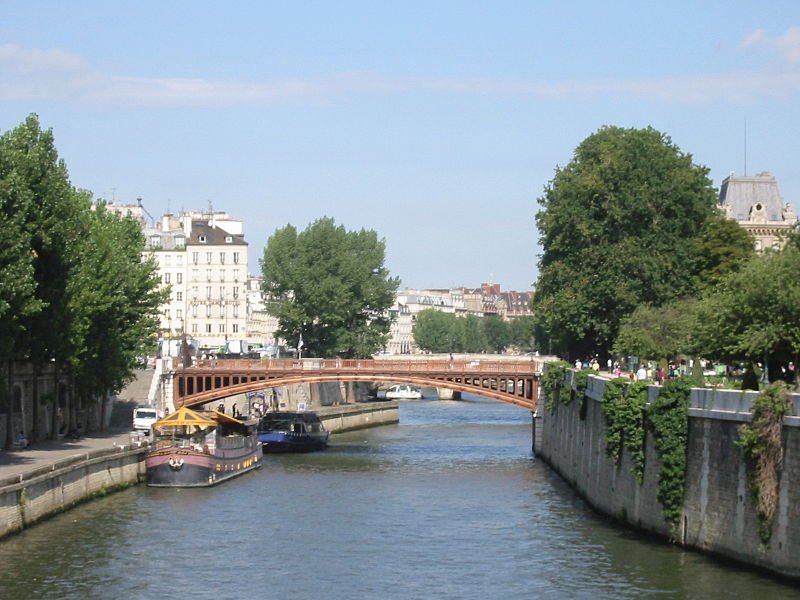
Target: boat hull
(182,467)
(288,442)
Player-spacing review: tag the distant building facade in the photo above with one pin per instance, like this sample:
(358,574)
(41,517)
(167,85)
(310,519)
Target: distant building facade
(756,204)
(202,258)
(488,300)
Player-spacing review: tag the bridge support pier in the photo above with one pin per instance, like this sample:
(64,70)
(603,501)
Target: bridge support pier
(447,394)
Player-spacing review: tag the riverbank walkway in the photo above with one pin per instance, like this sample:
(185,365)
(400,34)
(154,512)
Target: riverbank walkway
(18,462)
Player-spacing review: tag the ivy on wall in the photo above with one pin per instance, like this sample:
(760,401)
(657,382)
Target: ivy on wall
(668,421)
(761,443)
(554,384)
(624,409)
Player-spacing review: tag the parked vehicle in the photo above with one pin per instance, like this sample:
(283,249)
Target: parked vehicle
(143,419)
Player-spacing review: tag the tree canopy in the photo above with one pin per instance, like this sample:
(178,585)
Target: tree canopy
(617,227)
(753,312)
(74,291)
(331,286)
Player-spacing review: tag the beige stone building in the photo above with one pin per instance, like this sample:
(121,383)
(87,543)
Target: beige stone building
(756,204)
(202,258)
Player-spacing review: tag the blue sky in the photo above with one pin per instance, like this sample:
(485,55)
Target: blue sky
(437,124)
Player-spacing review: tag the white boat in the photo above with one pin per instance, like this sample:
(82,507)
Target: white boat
(403,392)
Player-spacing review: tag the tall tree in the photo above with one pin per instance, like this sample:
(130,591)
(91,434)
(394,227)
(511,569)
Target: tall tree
(753,313)
(617,227)
(331,286)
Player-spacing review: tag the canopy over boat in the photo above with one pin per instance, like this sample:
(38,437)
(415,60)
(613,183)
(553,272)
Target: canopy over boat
(185,416)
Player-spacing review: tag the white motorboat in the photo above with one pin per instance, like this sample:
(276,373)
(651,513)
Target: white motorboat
(403,392)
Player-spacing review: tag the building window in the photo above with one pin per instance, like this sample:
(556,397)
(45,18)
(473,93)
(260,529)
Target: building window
(235,311)
(208,327)
(167,260)
(228,239)
(208,292)
(222,327)
(179,313)
(208,274)
(236,292)
(222,274)
(208,311)
(155,241)
(194,311)
(195,257)
(179,277)
(167,278)
(194,292)
(222,292)
(202,239)
(179,296)
(208,257)
(235,328)
(222,258)
(180,242)
(195,274)
(236,258)
(194,327)
(179,260)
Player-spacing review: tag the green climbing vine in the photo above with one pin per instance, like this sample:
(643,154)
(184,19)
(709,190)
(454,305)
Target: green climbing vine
(553,383)
(761,442)
(624,409)
(668,421)
(581,382)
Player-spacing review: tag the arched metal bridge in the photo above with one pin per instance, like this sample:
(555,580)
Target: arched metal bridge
(512,381)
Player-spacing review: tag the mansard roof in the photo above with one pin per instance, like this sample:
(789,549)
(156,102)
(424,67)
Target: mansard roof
(213,235)
(741,197)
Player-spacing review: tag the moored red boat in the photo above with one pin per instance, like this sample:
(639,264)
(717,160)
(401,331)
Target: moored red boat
(201,448)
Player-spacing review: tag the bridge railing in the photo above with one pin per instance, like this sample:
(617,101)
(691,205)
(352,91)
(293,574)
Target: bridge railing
(366,365)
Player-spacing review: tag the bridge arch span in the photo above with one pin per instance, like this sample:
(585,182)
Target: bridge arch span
(507,381)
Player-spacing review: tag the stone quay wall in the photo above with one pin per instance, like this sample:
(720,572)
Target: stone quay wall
(349,417)
(718,514)
(35,495)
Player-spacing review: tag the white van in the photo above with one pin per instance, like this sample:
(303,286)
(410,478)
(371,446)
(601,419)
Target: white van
(143,419)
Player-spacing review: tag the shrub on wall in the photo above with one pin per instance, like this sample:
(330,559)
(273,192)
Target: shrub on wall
(761,442)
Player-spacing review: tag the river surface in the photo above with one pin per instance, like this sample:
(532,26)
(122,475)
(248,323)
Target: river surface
(450,503)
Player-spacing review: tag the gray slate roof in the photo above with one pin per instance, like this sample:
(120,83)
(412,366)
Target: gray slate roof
(741,197)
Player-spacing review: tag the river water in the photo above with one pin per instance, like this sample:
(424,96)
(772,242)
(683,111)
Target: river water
(450,503)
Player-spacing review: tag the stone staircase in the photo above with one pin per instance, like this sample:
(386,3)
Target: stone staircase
(133,395)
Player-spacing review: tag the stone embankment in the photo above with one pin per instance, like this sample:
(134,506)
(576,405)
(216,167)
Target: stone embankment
(718,515)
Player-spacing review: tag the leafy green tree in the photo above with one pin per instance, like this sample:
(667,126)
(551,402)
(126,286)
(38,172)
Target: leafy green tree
(496,331)
(331,286)
(657,332)
(474,333)
(721,247)
(617,227)
(115,301)
(753,313)
(434,332)
(521,333)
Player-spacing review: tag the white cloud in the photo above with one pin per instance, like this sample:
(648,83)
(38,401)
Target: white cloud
(58,76)
(787,46)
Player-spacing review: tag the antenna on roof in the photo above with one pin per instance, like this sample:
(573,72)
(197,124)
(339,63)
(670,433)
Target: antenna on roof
(745,146)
